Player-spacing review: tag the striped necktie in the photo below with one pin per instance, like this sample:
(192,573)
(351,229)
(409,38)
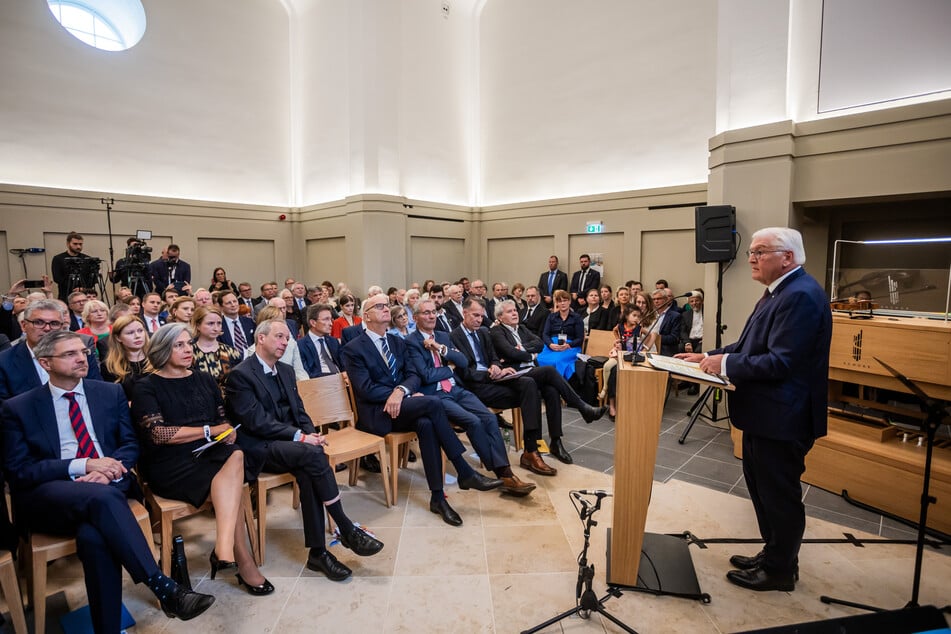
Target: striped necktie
(86,448)
(240,342)
(390,359)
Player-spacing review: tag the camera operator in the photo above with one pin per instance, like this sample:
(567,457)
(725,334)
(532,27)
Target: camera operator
(59,268)
(133,270)
(171,270)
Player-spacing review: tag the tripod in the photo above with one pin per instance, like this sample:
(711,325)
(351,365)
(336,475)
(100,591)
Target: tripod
(586,600)
(696,410)
(935,415)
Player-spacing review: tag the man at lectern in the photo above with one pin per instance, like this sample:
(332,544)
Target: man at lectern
(780,367)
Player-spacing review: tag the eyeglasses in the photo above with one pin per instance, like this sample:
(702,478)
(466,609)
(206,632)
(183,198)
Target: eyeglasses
(380,307)
(42,325)
(71,354)
(756,255)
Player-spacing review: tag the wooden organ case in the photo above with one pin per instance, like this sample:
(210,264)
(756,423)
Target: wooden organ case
(877,463)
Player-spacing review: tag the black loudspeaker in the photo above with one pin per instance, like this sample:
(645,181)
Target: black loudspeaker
(715,231)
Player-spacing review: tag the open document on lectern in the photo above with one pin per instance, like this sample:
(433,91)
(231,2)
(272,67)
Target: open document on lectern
(684,368)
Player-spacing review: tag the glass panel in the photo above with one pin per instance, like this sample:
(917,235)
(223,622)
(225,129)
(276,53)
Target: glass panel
(76,19)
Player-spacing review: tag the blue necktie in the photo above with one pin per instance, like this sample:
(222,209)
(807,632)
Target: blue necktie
(480,360)
(390,359)
(551,281)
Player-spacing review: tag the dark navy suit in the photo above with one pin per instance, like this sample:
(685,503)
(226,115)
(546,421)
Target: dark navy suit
(18,374)
(373,383)
(47,500)
(271,413)
(309,358)
(669,332)
(780,366)
(247,325)
(462,406)
(350,333)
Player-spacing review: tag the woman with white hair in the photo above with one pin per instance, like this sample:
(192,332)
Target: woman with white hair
(96,317)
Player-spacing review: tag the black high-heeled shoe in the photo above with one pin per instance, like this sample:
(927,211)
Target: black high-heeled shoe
(259,591)
(220,565)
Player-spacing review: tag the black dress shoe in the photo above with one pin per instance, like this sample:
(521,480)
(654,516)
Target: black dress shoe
(748,563)
(341,467)
(184,604)
(370,463)
(411,456)
(557,450)
(326,563)
(360,542)
(590,413)
(479,482)
(502,422)
(442,508)
(259,591)
(761,581)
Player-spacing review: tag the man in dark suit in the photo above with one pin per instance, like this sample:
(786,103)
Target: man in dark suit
(583,281)
(171,270)
(452,305)
(152,312)
(236,331)
(301,301)
(669,326)
(67,451)
(384,380)
(535,314)
(485,377)
(76,302)
(19,370)
(780,367)
(443,322)
(58,268)
(268,292)
(278,436)
(319,352)
(518,348)
(245,292)
(432,352)
(552,280)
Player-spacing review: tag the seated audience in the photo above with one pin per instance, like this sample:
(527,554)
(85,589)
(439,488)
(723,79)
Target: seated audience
(78,487)
(278,436)
(203,297)
(691,325)
(399,322)
(535,313)
(621,300)
(347,316)
(236,330)
(630,336)
(562,335)
(126,360)
(178,410)
(668,319)
(76,301)
(96,318)
(133,302)
(593,316)
(210,355)
(152,312)
(518,291)
(412,299)
(319,351)
(181,310)
(607,304)
(291,356)
(220,282)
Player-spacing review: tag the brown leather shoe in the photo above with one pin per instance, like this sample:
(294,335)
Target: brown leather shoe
(532,460)
(513,486)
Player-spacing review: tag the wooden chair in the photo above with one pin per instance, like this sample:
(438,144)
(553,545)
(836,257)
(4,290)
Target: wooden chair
(600,343)
(397,447)
(165,511)
(516,425)
(11,592)
(41,549)
(264,483)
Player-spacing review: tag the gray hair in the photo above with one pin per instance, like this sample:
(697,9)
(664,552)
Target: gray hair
(500,306)
(264,328)
(46,346)
(92,305)
(161,342)
(785,238)
(42,304)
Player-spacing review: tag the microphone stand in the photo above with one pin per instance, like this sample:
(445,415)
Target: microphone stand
(586,600)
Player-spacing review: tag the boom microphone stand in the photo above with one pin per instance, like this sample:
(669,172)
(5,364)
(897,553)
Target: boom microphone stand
(586,600)
(936,412)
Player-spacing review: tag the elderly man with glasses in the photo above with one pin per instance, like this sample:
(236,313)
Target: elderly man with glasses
(19,369)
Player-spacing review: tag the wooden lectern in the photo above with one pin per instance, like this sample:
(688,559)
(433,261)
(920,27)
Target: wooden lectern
(669,569)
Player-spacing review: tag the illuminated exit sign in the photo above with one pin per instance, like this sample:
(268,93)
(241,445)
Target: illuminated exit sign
(595,227)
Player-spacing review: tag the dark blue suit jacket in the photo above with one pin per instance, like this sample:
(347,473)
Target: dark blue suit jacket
(350,333)
(159,271)
(308,354)
(780,363)
(372,381)
(422,360)
(669,332)
(250,404)
(247,324)
(18,375)
(31,449)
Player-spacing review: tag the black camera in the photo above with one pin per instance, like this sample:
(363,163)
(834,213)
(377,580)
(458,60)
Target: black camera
(82,272)
(138,253)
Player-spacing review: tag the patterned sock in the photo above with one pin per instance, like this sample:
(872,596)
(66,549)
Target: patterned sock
(161,586)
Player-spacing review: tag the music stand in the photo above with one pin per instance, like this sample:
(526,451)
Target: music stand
(936,412)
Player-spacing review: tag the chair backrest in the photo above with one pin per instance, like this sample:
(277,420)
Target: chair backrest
(600,343)
(326,400)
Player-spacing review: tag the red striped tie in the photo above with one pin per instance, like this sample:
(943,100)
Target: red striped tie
(86,447)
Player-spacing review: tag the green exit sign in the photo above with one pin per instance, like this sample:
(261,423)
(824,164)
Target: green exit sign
(595,227)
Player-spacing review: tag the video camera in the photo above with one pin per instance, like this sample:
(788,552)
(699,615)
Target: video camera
(83,272)
(138,253)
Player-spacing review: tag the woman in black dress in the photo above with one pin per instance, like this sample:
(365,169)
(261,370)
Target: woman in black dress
(125,362)
(178,410)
